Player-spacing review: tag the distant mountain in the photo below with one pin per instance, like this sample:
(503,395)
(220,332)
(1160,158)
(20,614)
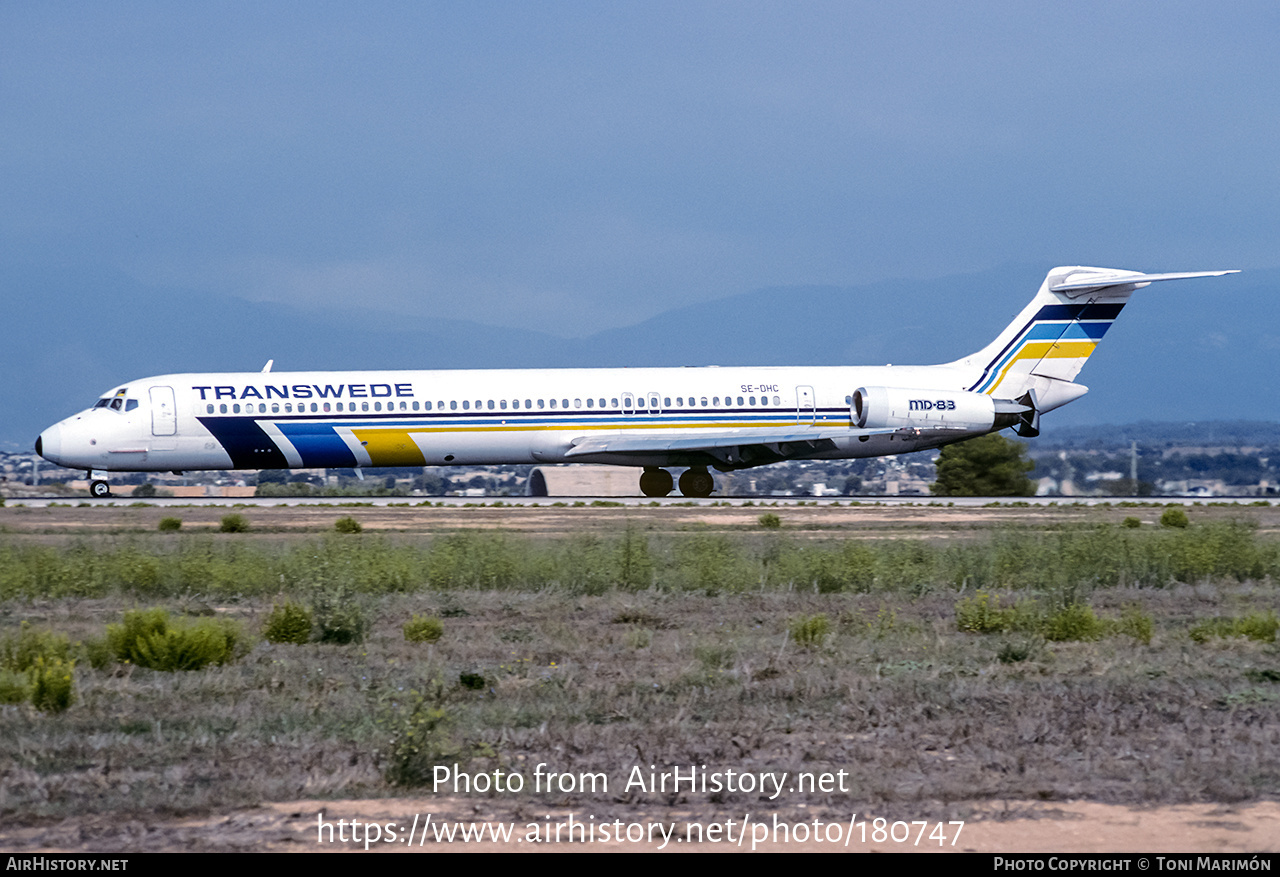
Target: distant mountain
(1195,351)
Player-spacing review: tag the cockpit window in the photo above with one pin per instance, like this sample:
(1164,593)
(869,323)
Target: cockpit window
(102,403)
(130,404)
(116,403)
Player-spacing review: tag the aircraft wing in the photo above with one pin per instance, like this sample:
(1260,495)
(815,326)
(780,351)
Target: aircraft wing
(631,443)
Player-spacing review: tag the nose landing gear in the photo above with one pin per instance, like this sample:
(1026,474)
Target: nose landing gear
(99,488)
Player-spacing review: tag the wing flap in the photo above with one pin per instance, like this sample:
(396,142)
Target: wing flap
(630,443)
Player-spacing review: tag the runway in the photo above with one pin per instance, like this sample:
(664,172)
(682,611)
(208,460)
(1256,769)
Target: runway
(633,501)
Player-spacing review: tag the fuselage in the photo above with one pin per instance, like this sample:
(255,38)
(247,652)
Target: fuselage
(259,420)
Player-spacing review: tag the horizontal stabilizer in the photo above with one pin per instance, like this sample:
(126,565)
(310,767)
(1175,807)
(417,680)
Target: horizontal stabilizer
(1082,281)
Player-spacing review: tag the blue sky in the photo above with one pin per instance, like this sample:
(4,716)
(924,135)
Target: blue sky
(570,167)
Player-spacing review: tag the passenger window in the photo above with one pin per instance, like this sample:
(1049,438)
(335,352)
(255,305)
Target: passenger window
(751,400)
(275,407)
(466,404)
(777,400)
(591,403)
(577,403)
(453,406)
(666,402)
(235,409)
(565,403)
(502,403)
(326,407)
(223,408)
(377,406)
(490,404)
(528,403)
(415,405)
(314,408)
(553,403)
(208,409)
(539,403)
(288,408)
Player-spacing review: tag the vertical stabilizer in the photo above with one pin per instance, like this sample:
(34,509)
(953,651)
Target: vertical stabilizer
(1048,343)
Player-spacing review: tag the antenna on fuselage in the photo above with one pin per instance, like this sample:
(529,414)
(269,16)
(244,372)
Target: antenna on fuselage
(266,368)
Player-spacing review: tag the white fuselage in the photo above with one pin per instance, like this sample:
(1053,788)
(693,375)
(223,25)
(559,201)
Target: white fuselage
(259,420)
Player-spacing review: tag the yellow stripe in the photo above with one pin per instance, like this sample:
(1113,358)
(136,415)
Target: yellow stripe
(388,447)
(1039,350)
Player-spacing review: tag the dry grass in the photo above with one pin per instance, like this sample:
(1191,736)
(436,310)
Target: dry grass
(925,718)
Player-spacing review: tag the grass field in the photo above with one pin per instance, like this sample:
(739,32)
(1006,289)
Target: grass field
(941,658)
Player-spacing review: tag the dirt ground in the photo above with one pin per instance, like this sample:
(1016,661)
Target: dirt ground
(1004,827)
(995,827)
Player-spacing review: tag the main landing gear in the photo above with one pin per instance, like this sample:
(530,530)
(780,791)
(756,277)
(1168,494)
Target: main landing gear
(696,482)
(655,482)
(99,489)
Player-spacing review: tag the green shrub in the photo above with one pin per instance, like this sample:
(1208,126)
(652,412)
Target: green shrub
(170,525)
(21,652)
(97,651)
(338,616)
(421,738)
(288,623)
(149,639)
(472,681)
(1256,626)
(423,629)
(1135,623)
(1075,622)
(347,524)
(53,687)
(808,631)
(234,523)
(1131,523)
(770,521)
(14,687)
(1174,516)
(1017,651)
(981,613)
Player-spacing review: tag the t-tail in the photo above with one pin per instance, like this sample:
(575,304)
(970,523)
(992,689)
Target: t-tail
(1040,353)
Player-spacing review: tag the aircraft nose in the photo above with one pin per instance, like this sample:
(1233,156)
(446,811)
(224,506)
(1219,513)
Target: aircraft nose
(49,443)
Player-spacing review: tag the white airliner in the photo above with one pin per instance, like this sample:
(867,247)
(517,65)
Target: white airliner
(655,418)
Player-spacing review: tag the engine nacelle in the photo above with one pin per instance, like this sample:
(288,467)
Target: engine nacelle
(894,407)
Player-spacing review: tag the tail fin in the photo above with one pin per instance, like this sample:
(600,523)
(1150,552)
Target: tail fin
(1048,343)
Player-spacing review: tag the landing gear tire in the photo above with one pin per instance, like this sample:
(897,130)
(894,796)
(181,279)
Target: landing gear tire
(655,482)
(697,483)
(99,489)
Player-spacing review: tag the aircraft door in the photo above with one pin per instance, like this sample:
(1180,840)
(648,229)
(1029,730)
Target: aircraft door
(164,414)
(806,411)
